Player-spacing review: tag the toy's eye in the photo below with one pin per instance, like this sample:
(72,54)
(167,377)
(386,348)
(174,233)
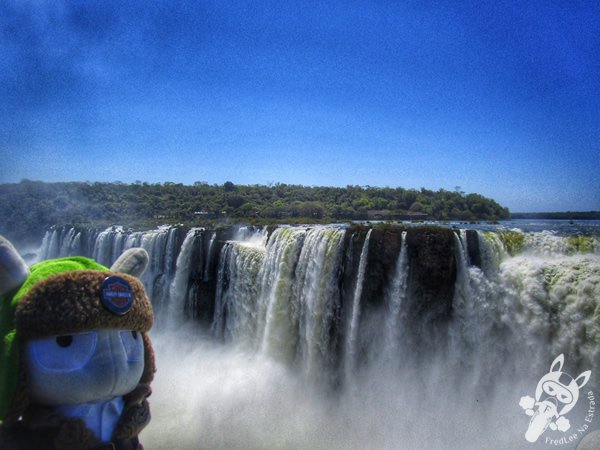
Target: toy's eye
(63,353)
(64,341)
(133,344)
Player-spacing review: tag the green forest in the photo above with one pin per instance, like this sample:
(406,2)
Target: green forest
(31,206)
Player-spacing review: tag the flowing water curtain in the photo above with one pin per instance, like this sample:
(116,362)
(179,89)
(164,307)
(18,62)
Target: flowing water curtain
(396,296)
(70,242)
(109,245)
(479,341)
(179,290)
(59,242)
(162,248)
(278,315)
(282,296)
(235,315)
(209,257)
(350,346)
(316,294)
(50,245)
(221,295)
(491,250)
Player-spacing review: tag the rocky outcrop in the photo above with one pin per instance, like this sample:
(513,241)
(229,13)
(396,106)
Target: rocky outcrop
(431,277)
(432,271)
(205,276)
(384,247)
(473,248)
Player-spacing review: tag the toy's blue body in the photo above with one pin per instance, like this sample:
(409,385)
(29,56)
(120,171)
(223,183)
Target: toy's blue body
(86,374)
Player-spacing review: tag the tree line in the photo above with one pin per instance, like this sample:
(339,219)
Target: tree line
(31,206)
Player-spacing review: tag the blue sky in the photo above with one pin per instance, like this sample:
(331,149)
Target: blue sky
(501,98)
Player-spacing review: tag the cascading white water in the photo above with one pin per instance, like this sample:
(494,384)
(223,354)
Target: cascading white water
(353,324)
(235,316)
(67,244)
(395,300)
(478,340)
(277,320)
(315,296)
(281,296)
(209,256)
(551,305)
(158,274)
(178,291)
(108,245)
(50,245)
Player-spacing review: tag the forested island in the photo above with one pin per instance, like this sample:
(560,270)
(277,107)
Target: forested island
(30,206)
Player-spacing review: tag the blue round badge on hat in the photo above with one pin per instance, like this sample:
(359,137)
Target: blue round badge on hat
(116,295)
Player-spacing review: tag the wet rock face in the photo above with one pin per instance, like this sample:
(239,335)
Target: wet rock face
(432,273)
(206,283)
(473,247)
(431,277)
(384,248)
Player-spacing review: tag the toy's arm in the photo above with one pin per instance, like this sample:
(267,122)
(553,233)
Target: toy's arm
(136,414)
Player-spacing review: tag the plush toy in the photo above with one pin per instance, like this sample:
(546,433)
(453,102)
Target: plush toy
(76,362)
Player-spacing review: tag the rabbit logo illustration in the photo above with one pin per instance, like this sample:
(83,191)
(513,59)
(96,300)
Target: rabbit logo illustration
(555,395)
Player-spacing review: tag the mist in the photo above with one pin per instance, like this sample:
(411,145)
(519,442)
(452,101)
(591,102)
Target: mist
(208,395)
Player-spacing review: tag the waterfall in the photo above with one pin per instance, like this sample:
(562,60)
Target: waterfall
(282,295)
(209,257)
(108,245)
(277,330)
(476,332)
(396,297)
(179,289)
(222,294)
(50,245)
(491,251)
(353,325)
(235,316)
(316,295)
(68,242)
(157,277)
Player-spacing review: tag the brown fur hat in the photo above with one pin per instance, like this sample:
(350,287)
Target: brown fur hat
(70,302)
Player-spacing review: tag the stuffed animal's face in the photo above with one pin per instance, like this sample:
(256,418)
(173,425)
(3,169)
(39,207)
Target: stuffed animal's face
(84,367)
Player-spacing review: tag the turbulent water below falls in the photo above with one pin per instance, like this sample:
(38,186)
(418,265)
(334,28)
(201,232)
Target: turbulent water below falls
(321,337)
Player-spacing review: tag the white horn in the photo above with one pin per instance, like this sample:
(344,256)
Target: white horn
(13,269)
(132,262)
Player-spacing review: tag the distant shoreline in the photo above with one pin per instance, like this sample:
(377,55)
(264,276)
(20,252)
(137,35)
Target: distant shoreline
(567,215)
